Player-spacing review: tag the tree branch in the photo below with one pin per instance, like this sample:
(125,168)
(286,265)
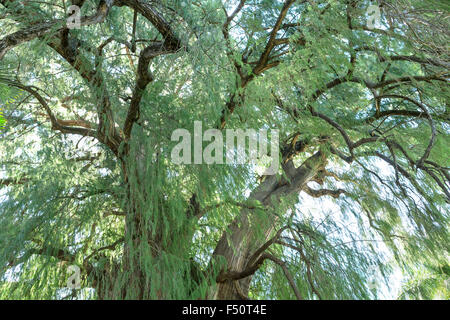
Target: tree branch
(143,78)
(40,29)
(323,192)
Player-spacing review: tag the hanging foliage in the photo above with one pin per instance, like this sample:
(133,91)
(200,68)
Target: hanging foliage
(92,205)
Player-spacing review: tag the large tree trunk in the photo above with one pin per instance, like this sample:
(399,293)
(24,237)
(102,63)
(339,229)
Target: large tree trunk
(132,280)
(151,235)
(242,240)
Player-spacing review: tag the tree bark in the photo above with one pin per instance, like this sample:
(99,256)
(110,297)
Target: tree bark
(237,245)
(147,237)
(242,240)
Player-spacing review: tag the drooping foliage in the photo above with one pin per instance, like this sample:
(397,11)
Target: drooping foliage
(87,178)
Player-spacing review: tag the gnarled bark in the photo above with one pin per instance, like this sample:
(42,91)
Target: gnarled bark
(239,244)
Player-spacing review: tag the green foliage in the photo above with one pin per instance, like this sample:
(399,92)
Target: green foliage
(2,120)
(429,282)
(3,93)
(141,227)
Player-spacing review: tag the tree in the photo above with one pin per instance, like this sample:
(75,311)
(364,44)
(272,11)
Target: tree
(430,282)
(87,177)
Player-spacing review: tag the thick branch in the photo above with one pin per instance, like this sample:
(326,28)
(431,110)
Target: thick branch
(323,192)
(40,29)
(54,121)
(143,78)
(172,42)
(271,43)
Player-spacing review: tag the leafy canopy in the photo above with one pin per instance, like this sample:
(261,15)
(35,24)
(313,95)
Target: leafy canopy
(85,171)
